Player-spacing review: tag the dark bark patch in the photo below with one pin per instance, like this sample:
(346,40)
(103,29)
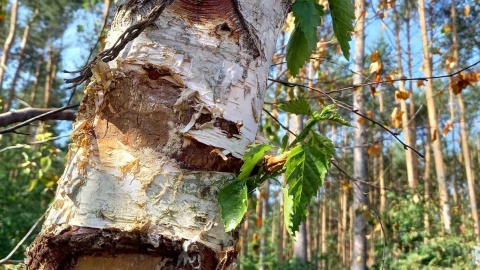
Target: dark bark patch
(80,247)
(199,157)
(229,127)
(138,111)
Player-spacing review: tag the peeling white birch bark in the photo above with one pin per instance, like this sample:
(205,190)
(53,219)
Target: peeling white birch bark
(110,184)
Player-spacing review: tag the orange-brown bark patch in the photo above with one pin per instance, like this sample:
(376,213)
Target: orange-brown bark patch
(138,111)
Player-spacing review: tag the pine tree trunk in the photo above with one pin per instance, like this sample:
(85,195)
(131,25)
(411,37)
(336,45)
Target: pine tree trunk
(432,119)
(412,176)
(147,159)
(412,126)
(21,54)
(464,136)
(359,153)
(426,180)
(263,231)
(324,233)
(8,43)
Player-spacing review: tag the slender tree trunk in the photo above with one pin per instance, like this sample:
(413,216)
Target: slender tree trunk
(263,230)
(411,172)
(8,43)
(324,233)
(21,54)
(359,153)
(412,126)
(48,77)
(426,180)
(140,188)
(432,119)
(464,136)
(106,11)
(33,92)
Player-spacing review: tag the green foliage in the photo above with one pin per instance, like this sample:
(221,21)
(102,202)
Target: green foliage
(296,106)
(307,160)
(233,203)
(330,113)
(342,15)
(306,167)
(27,178)
(251,157)
(410,245)
(304,37)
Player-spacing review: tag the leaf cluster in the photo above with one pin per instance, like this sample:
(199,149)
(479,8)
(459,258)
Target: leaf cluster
(305,162)
(304,38)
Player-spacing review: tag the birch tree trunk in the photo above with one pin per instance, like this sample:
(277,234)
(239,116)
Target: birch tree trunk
(432,119)
(359,153)
(8,43)
(160,130)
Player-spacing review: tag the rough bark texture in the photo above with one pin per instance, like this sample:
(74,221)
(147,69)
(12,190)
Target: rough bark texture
(160,130)
(432,119)
(359,153)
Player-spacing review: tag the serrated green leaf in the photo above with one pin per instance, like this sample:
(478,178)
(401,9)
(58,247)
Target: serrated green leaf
(251,157)
(307,16)
(290,219)
(303,39)
(299,49)
(305,174)
(330,113)
(296,106)
(324,144)
(233,203)
(342,13)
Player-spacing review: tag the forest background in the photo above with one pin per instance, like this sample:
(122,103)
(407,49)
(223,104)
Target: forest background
(405,215)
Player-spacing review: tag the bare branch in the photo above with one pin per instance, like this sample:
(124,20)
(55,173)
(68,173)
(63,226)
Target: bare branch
(36,115)
(25,114)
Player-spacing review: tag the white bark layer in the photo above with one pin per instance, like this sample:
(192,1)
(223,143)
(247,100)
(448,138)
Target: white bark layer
(117,183)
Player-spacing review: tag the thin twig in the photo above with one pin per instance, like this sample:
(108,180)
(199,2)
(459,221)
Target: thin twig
(108,55)
(7,259)
(278,122)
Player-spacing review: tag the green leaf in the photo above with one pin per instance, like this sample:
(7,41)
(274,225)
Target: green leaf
(305,174)
(330,113)
(233,203)
(296,106)
(307,16)
(323,144)
(251,157)
(303,39)
(33,184)
(299,49)
(342,15)
(45,163)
